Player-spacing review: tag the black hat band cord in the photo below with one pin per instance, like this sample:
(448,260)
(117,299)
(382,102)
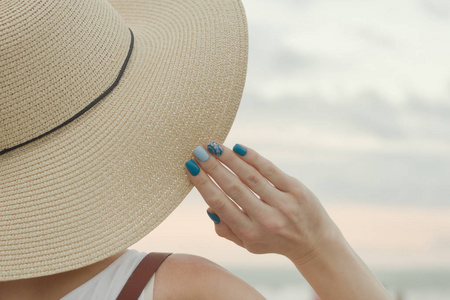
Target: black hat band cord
(84,109)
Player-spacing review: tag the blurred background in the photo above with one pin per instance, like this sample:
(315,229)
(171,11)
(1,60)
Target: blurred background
(352,97)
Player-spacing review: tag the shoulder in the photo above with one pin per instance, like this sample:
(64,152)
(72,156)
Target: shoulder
(184,276)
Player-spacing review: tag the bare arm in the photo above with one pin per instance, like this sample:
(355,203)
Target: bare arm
(286,218)
(190,277)
(335,271)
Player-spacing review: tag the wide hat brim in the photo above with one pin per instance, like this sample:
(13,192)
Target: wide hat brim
(101,183)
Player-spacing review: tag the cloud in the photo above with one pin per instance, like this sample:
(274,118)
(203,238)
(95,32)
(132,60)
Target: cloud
(437,8)
(361,149)
(340,49)
(428,119)
(367,114)
(379,39)
(287,62)
(352,97)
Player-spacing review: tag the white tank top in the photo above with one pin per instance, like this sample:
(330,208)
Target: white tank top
(107,284)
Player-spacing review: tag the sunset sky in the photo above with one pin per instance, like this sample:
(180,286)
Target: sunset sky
(352,98)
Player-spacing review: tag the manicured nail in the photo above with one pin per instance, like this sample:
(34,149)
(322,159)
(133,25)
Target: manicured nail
(215,148)
(201,153)
(192,167)
(239,150)
(214,217)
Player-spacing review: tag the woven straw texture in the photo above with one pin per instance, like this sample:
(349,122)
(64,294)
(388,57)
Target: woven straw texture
(104,181)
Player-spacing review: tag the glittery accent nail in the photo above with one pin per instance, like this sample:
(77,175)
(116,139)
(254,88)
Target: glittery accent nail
(215,148)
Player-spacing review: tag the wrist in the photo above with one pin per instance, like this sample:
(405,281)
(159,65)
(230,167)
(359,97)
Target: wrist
(335,271)
(331,239)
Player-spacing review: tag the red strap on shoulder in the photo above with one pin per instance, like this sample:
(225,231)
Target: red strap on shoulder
(141,275)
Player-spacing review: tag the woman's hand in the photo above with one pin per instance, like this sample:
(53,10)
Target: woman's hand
(280,216)
(266,210)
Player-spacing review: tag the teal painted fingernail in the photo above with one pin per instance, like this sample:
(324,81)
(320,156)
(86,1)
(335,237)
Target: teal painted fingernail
(201,153)
(192,167)
(239,150)
(215,148)
(214,217)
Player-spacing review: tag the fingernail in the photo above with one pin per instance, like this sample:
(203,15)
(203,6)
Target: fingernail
(201,153)
(239,150)
(192,167)
(215,148)
(214,217)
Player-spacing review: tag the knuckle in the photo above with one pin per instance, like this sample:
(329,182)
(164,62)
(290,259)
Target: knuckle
(256,157)
(213,166)
(295,186)
(253,180)
(297,189)
(271,170)
(273,226)
(217,203)
(202,180)
(290,210)
(295,182)
(235,191)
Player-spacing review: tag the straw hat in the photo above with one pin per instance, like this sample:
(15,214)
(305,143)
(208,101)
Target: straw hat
(101,105)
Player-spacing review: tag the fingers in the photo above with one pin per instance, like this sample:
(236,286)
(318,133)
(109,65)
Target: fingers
(278,178)
(229,183)
(270,224)
(215,198)
(254,175)
(247,174)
